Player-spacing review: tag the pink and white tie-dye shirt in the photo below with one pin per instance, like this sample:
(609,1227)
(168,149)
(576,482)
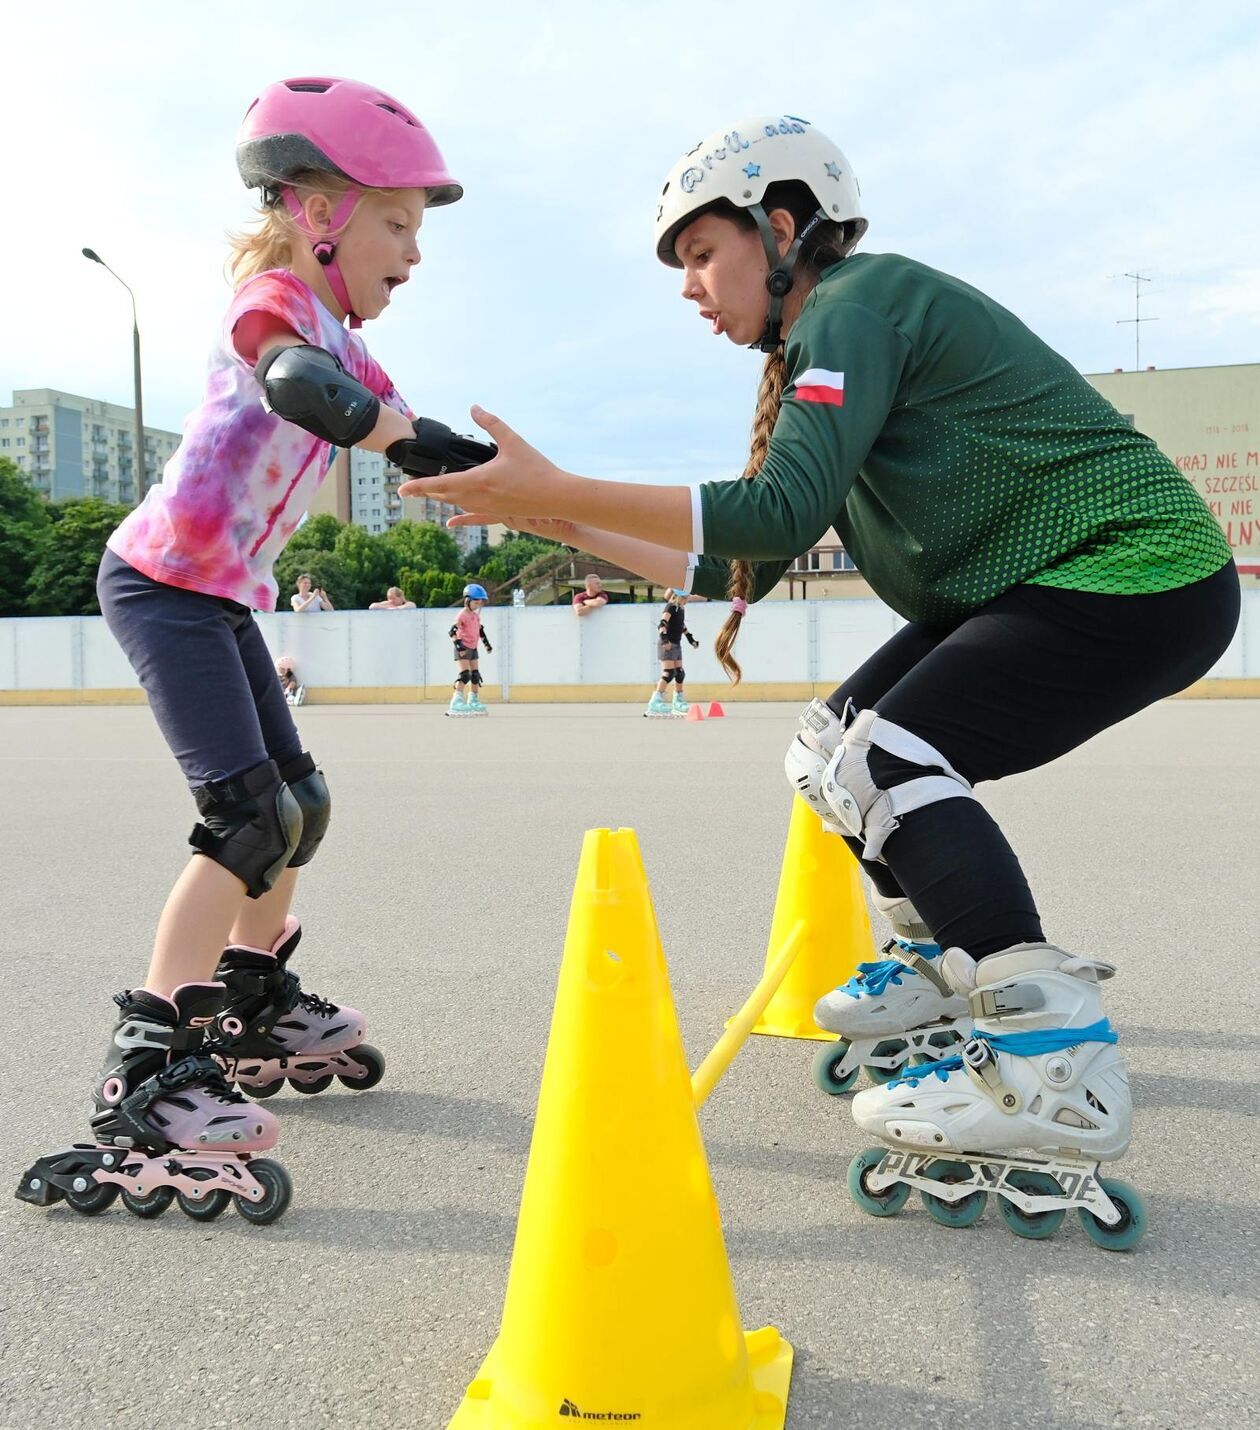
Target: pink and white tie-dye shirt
(242,478)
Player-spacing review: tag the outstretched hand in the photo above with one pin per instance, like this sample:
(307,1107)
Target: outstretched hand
(520,479)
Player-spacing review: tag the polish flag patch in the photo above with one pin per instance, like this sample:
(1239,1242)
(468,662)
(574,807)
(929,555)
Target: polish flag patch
(819,385)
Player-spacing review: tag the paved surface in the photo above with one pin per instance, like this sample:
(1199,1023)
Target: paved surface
(374,1299)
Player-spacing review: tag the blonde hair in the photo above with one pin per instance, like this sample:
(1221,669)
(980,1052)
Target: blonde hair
(740,581)
(274,239)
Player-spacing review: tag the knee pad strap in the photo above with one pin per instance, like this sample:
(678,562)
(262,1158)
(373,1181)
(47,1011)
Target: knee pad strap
(868,811)
(307,786)
(251,825)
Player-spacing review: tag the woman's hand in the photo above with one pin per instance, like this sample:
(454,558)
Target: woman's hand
(520,479)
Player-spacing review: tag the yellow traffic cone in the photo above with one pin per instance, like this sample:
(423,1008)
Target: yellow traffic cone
(821,886)
(620,1306)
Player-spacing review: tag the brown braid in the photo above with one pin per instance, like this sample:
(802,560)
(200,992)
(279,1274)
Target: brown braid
(740,582)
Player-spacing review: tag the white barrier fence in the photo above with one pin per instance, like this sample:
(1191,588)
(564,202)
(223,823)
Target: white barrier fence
(781,643)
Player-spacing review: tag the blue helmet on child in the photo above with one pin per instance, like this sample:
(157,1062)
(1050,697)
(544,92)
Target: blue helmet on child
(474,592)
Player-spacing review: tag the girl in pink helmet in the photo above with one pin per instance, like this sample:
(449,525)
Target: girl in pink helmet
(347,174)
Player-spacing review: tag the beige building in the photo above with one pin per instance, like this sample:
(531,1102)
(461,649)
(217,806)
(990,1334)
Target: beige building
(71,446)
(1207,419)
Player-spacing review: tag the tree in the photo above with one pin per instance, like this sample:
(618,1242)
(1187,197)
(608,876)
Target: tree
(367,564)
(324,569)
(317,533)
(422,546)
(510,557)
(24,523)
(63,580)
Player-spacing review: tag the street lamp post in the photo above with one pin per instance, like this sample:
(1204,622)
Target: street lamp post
(137,467)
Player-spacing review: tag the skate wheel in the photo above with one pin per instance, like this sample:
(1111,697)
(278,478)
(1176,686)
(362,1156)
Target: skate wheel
(308,1089)
(277,1192)
(956,1214)
(149,1204)
(372,1063)
(826,1062)
(1036,1226)
(94,1199)
(886,1049)
(1129,1230)
(205,1208)
(263,1090)
(884,1203)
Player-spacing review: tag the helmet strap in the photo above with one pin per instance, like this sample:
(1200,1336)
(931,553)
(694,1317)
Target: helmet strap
(325,249)
(781,279)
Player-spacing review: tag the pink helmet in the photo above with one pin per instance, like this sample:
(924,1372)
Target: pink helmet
(342,127)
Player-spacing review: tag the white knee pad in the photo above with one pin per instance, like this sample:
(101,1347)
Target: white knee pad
(864,809)
(806,760)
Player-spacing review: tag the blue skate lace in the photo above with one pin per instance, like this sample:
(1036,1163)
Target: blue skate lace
(873,978)
(1022,1045)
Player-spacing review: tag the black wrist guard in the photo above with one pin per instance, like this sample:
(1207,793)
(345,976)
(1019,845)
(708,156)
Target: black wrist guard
(308,387)
(434,448)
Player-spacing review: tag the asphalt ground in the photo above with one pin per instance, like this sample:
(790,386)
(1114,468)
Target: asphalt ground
(438,905)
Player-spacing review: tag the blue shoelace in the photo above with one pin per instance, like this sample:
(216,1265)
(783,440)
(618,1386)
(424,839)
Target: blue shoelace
(872,978)
(1022,1045)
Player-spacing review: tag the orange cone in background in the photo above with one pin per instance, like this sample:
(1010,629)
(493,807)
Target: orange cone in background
(694,712)
(715,709)
(620,1305)
(820,886)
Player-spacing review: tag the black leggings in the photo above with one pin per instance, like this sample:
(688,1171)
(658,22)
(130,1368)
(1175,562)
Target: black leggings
(1029,677)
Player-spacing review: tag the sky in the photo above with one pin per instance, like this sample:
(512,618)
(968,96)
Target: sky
(1039,151)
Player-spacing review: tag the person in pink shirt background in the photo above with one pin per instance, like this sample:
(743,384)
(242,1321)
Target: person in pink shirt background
(466,632)
(347,175)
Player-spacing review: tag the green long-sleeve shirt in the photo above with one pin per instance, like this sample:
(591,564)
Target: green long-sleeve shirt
(955,454)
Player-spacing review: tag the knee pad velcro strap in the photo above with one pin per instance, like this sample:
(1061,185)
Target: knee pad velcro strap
(868,811)
(307,786)
(251,824)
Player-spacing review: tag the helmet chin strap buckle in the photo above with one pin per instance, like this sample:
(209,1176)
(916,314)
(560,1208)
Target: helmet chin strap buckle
(324,253)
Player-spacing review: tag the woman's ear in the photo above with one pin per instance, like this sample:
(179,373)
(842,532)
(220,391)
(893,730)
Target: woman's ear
(783,226)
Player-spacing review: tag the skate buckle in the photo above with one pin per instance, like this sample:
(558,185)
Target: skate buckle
(915,961)
(1001,1002)
(981,1066)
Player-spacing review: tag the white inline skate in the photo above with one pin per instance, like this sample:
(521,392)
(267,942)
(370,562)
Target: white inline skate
(890,1013)
(1041,1073)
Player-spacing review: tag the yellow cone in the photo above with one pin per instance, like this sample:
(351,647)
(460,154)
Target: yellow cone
(821,886)
(620,1307)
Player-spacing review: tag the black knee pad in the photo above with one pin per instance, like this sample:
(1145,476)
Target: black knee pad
(465,676)
(476,676)
(667,676)
(680,675)
(251,825)
(307,786)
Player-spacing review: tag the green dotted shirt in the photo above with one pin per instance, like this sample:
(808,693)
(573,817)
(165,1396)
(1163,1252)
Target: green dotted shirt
(955,454)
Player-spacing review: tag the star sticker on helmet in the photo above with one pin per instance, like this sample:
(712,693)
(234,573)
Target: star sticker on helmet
(753,171)
(833,170)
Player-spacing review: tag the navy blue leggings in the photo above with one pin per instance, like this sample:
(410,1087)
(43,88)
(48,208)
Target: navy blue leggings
(202,661)
(1032,675)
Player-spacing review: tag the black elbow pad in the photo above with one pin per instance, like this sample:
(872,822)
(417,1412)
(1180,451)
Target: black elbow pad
(308,387)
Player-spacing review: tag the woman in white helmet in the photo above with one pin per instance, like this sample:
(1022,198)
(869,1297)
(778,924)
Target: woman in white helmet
(1058,573)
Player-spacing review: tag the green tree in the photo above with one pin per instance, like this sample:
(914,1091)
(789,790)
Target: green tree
(317,533)
(63,580)
(324,568)
(422,546)
(24,523)
(510,557)
(367,563)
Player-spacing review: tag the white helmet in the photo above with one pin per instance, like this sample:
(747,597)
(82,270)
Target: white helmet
(739,164)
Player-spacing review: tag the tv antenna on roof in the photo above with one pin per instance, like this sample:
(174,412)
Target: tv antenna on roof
(1137,319)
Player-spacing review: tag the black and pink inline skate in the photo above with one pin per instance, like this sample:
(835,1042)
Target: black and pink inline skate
(168,1126)
(274,1033)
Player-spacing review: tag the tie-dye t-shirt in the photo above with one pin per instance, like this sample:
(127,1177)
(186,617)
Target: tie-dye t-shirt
(242,478)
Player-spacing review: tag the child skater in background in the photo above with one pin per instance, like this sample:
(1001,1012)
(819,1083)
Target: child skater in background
(466,632)
(346,174)
(670,634)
